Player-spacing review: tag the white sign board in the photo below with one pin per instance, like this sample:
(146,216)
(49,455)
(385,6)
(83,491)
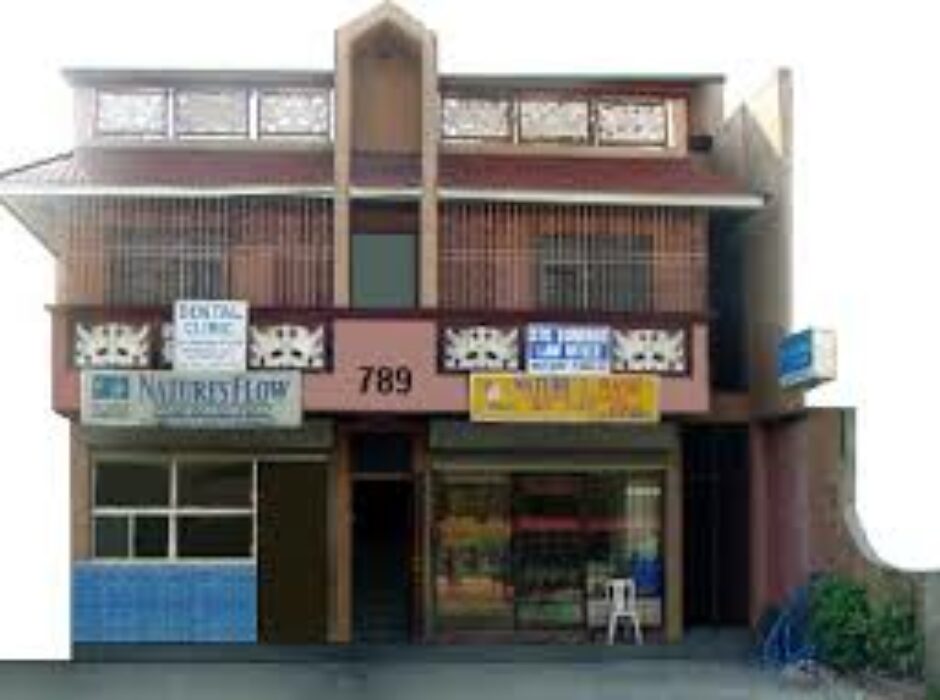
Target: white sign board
(554,349)
(806,359)
(144,398)
(210,335)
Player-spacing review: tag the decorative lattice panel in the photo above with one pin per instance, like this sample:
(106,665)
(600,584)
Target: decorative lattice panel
(650,350)
(211,112)
(481,348)
(139,112)
(643,123)
(112,345)
(476,119)
(287,346)
(294,113)
(554,120)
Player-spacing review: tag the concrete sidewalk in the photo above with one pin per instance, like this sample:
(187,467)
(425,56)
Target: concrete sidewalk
(409,680)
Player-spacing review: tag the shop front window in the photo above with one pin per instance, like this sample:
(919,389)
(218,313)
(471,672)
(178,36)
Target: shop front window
(534,552)
(173,510)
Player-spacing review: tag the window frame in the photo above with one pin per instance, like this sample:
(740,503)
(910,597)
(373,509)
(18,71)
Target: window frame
(172,511)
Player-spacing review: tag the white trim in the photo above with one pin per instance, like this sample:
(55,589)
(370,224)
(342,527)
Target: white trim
(723,201)
(726,201)
(24,190)
(385,192)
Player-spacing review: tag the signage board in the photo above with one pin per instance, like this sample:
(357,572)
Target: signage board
(191,400)
(807,358)
(554,349)
(210,335)
(622,398)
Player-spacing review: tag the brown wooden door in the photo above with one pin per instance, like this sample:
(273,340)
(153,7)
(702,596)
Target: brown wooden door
(292,575)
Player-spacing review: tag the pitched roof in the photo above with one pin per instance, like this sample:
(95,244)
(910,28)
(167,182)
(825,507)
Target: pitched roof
(93,170)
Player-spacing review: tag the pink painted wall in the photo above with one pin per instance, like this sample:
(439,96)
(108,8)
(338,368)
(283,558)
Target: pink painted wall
(394,343)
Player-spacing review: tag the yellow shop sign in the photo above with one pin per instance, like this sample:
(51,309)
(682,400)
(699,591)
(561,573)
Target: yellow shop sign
(623,398)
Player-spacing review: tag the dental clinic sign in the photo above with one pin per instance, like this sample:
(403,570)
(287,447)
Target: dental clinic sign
(120,398)
(210,335)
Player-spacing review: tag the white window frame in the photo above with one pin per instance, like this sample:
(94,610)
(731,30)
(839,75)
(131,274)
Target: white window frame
(173,511)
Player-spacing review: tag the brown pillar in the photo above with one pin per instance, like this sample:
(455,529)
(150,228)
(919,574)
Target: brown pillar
(674,587)
(341,629)
(80,468)
(758,518)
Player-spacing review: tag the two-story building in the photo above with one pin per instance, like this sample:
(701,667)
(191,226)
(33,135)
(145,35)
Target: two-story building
(498,339)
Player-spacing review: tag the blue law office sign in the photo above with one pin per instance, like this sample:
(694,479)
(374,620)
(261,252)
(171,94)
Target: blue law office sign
(191,400)
(806,359)
(567,349)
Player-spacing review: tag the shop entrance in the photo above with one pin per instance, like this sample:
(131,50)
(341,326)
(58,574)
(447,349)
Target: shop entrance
(716,517)
(383,508)
(292,554)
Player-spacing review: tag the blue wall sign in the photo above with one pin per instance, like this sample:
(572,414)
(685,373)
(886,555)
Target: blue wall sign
(555,349)
(806,358)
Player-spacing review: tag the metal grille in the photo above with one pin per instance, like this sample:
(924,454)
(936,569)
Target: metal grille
(270,251)
(578,258)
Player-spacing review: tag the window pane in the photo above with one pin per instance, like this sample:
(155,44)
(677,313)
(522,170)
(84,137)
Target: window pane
(127,484)
(472,574)
(218,485)
(214,536)
(151,534)
(383,271)
(111,536)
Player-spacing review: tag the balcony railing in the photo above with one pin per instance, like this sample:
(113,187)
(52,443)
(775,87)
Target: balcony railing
(270,251)
(572,258)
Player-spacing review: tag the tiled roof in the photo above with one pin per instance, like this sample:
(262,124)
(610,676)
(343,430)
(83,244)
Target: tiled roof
(295,168)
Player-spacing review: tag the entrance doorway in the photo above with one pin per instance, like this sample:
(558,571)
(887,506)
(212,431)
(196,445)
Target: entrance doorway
(716,517)
(383,519)
(292,553)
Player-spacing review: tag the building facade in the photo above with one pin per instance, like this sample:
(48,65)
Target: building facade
(479,344)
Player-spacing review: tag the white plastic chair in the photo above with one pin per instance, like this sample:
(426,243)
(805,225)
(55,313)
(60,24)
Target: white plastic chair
(621,604)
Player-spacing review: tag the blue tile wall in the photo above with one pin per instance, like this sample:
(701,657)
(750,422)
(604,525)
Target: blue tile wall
(164,603)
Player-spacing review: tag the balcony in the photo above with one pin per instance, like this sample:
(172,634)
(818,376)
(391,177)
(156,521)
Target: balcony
(269,251)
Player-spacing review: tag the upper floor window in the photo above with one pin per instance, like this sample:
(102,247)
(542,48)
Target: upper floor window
(595,272)
(131,113)
(213,112)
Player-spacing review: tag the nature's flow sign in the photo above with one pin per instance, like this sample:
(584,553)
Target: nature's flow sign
(191,400)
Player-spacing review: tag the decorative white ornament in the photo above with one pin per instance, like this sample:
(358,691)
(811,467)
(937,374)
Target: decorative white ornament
(481,348)
(649,350)
(287,346)
(112,345)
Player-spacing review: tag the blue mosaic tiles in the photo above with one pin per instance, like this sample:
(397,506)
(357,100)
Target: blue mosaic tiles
(164,603)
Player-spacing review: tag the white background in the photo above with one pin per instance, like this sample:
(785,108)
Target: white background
(866,218)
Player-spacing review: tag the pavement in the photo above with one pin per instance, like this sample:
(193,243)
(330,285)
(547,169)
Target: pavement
(409,679)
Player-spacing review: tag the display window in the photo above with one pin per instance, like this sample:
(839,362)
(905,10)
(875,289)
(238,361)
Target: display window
(534,552)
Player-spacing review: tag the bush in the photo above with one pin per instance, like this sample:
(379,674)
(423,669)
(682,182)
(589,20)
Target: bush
(895,643)
(851,632)
(840,621)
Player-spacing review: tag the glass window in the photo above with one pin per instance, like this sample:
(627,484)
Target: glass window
(214,485)
(111,536)
(132,485)
(595,272)
(384,274)
(214,536)
(207,506)
(473,581)
(151,536)
(535,551)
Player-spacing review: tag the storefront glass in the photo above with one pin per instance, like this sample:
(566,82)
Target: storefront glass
(533,552)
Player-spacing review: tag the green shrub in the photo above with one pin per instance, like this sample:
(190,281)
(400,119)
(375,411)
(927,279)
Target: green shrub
(895,642)
(840,621)
(853,631)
